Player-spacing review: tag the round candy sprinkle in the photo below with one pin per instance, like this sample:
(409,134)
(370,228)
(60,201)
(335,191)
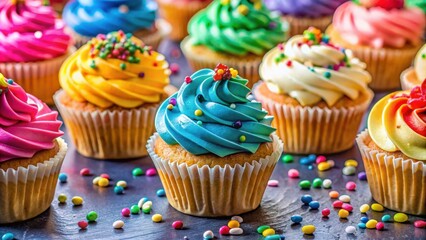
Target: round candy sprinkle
(325,212)
(95,181)
(343,213)
(142,201)
(350,229)
(85,172)
(320,159)
(326,183)
(364,208)
(105,175)
(233,224)
(400,217)
(287,158)
(275,237)
(306,161)
(150,172)
(351,186)
(8,236)
(262,228)
(174,68)
(351,162)
(331,163)
(62,198)
(293,173)
(208,234)
(273,183)
(198,112)
(135,209)
(377,207)
(349,170)
(323,166)
(345,198)
(242,138)
(103,182)
(386,218)
(364,219)
(122,184)
(306,199)
(347,207)
(63,177)
(371,223)
(380,226)
(237,218)
(337,204)
(118,190)
(161,193)
(137,172)
(83,224)
(268,232)
(362,225)
(362,176)
(317,183)
(420,224)
(92,216)
(125,212)
(236,231)
(157,218)
(146,209)
(333,194)
(77,200)
(314,205)
(305,184)
(224,230)
(308,229)
(147,204)
(118,224)
(177,225)
(296,218)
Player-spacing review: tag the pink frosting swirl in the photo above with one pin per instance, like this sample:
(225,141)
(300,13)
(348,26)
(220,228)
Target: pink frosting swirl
(26,124)
(30,32)
(378,27)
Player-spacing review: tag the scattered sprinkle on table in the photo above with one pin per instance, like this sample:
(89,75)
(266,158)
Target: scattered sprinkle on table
(293,173)
(236,231)
(8,236)
(157,218)
(150,172)
(103,182)
(224,230)
(177,225)
(118,224)
(306,199)
(77,200)
(82,224)
(233,224)
(208,234)
(92,216)
(400,217)
(137,172)
(371,223)
(273,183)
(63,177)
(62,198)
(125,212)
(364,208)
(118,190)
(296,218)
(308,229)
(121,183)
(350,170)
(135,209)
(287,158)
(314,205)
(350,229)
(386,218)
(327,183)
(325,212)
(305,184)
(268,232)
(380,226)
(377,207)
(85,172)
(161,193)
(333,194)
(237,218)
(351,186)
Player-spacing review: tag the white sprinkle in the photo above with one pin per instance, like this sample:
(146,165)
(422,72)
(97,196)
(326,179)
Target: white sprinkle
(345,198)
(350,229)
(96,180)
(236,231)
(233,106)
(123,8)
(326,183)
(118,224)
(208,234)
(147,205)
(38,34)
(273,183)
(237,218)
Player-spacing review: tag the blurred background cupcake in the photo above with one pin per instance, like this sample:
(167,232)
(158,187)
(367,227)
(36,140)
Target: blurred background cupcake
(316,91)
(387,40)
(394,151)
(112,87)
(414,76)
(178,13)
(31,153)
(234,32)
(417,3)
(301,14)
(215,149)
(88,18)
(33,46)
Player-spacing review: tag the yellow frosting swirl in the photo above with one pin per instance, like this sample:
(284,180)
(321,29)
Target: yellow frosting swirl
(128,77)
(310,69)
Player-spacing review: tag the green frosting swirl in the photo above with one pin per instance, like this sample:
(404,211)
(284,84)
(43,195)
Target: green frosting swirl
(417,3)
(237,27)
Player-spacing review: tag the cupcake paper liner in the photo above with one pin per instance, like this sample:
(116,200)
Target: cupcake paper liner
(37,78)
(215,191)
(306,130)
(28,191)
(396,183)
(109,134)
(407,79)
(247,68)
(299,24)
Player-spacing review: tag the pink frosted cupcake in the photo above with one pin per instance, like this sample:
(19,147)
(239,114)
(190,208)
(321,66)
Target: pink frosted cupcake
(383,34)
(33,46)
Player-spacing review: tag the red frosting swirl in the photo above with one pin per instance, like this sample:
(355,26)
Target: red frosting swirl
(30,32)
(26,124)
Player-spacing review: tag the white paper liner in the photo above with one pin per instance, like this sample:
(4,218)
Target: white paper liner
(107,134)
(407,78)
(28,191)
(299,24)
(215,191)
(37,78)
(396,183)
(306,130)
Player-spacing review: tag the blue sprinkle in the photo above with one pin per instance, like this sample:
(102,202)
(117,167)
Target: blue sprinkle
(312,157)
(362,225)
(310,167)
(10,81)
(161,193)
(306,161)
(63,177)
(314,204)
(386,218)
(118,190)
(8,236)
(296,218)
(306,199)
(364,219)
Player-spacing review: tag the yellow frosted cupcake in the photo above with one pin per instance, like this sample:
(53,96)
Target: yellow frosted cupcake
(214,149)
(394,151)
(112,87)
(414,76)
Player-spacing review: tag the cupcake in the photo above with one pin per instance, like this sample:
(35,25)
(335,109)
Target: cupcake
(88,18)
(214,148)
(394,151)
(33,45)
(233,32)
(414,76)
(417,3)
(316,91)
(31,153)
(178,13)
(112,87)
(303,14)
(387,45)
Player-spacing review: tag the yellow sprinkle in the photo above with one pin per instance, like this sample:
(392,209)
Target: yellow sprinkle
(343,213)
(103,182)
(351,162)
(233,224)
(364,208)
(371,223)
(198,112)
(242,138)
(308,229)
(170,106)
(268,232)
(77,200)
(258,5)
(234,72)
(377,207)
(323,166)
(220,71)
(3,81)
(157,218)
(225,2)
(243,9)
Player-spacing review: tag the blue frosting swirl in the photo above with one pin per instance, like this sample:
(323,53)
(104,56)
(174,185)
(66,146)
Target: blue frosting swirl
(227,115)
(92,17)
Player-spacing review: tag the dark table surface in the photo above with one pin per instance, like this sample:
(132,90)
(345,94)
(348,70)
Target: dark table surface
(278,204)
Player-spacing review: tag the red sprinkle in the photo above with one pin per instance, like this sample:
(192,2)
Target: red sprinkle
(380,226)
(188,79)
(174,68)
(224,230)
(85,172)
(337,204)
(347,207)
(320,159)
(289,63)
(82,224)
(125,212)
(155,64)
(325,212)
(105,175)
(177,225)
(293,173)
(151,172)
(420,224)
(351,186)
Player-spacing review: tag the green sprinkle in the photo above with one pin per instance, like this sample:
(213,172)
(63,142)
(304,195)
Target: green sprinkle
(135,209)
(123,66)
(282,55)
(93,64)
(199,123)
(262,228)
(327,75)
(305,184)
(287,158)
(92,216)
(317,183)
(242,138)
(138,172)
(423,55)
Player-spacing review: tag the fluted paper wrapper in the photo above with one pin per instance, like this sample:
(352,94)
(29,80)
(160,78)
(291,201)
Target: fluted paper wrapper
(109,134)
(396,183)
(215,191)
(299,24)
(37,78)
(408,78)
(28,191)
(247,68)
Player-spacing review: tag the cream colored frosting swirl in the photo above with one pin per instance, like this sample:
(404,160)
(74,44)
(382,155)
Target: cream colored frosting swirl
(311,71)
(420,64)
